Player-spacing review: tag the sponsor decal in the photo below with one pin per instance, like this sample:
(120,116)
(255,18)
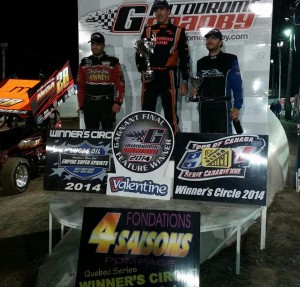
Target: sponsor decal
(31,142)
(15,112)
(46,90)
(5,102)
(52,94)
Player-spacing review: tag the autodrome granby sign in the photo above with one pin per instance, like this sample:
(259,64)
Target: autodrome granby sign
(246,27)
(132,17)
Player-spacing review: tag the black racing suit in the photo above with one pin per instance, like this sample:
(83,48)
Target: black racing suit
(170,52)
(221,78)
(100,83)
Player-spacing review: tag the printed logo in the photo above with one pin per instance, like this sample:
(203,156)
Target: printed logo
(213,73)
(148,187)
(226,157)
(143,142)
(131,18)
(216,157)
(83,161)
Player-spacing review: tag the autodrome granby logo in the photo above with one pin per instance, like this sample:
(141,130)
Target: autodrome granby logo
(131,18)
(143,142)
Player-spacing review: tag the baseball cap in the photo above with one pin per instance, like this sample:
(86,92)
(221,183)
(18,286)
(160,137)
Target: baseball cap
(214,33)
(160,3)
(97,37)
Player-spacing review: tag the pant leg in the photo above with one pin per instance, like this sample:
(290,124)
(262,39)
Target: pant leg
(168,93)
(107,117)
(214,118)
(92,114)
(150,92)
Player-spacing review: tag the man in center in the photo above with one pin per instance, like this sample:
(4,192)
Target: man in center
(170,53)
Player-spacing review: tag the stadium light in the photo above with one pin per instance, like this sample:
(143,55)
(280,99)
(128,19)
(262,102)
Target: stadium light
(273,76)
(289,33)
(279,46)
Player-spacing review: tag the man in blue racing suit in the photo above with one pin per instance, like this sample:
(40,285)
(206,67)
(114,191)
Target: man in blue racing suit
(221,79)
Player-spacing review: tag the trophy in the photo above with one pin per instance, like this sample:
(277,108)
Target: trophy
(146,48)
(195,82)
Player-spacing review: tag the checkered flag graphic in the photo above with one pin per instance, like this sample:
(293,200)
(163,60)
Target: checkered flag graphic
(101,19)
(106,20)
(136,135)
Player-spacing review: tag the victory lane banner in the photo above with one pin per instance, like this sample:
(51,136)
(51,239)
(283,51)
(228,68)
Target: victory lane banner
(134,247)
(77,160)
(221,168)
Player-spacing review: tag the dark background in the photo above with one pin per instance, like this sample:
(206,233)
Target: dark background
(283,18)
(42,36)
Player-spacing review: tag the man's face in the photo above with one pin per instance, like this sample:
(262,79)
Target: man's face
(162,15)
(213,44)
(97,48)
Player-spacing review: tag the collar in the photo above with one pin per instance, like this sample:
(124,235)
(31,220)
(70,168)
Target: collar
(215,56)
(102,55)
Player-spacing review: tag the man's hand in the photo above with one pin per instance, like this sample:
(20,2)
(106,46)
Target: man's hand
(234,113)
(143,78)
(194,91)
(183,88)
(116,108)
(79,111)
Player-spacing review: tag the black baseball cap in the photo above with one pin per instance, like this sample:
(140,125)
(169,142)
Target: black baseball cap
(97,38)
(215,33)
(160,3)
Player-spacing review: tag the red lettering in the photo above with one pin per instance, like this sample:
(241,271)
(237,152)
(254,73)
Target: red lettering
(225,22)
(207,21)
(131,19)
(139,150)
(244,21)
(189,22)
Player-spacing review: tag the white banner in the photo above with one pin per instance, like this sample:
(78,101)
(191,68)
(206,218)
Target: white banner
(245,25)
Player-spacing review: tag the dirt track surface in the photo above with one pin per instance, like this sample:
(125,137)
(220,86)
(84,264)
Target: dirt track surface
(24,239)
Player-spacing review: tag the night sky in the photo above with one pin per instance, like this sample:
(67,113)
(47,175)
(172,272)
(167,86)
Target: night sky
(283,9)
(43,38)
(39,37)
